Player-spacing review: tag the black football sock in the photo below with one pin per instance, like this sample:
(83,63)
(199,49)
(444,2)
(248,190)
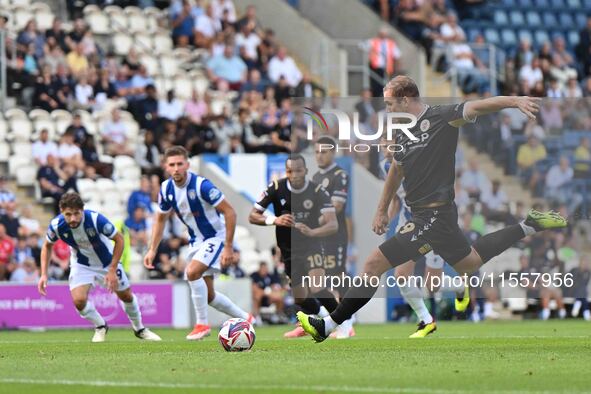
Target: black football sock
(327,299)
(493,244)
(355,299)
(310,306)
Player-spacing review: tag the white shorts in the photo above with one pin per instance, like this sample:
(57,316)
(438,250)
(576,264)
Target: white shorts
(81,275)
(208,252)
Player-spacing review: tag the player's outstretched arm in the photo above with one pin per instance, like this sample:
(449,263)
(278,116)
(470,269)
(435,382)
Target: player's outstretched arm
(45,253)
(111,277)
(472,109)
(393,180)
(229,213)
(157,230)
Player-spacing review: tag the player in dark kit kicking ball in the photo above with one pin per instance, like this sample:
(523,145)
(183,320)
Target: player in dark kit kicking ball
(335,181)
(427,167)
(299,205)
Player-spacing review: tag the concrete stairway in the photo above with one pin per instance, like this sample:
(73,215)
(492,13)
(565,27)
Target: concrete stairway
(26,196)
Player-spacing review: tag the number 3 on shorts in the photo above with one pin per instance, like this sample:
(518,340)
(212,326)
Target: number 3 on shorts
(408,227)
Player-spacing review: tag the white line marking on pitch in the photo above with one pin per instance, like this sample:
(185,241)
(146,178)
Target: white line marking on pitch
(243,387)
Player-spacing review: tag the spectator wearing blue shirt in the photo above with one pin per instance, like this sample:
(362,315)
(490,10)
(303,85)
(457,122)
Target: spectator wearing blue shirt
(183,22)
(227,69)
(140,198)
(138,228)
(139,82)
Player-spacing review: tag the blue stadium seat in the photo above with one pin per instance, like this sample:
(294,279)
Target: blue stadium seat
(509,3)
(542,4)
(526,4)
(500,18)
(472,33)
(533,19)
(550,21)
(571,139)
(558,4)
(508,38)
(491,35)
(573,38)
(516,18)
(581,20)
(574,4)
(540,37)
(525,35)
(566,20)
(587,5)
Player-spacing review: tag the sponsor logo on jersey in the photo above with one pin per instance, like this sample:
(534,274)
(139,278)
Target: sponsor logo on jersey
(214,194)
(108,229)
(308,204)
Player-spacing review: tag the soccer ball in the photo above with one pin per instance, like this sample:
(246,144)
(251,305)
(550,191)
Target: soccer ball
(236,335)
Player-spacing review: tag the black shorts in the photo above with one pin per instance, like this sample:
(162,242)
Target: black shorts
(298,263)
(335,255)
(428,229)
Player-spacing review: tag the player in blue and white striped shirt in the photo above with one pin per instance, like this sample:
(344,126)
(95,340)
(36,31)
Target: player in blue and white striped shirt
(211,222)
(94,259)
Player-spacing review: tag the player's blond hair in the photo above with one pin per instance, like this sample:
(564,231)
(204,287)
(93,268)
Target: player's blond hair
(402,86)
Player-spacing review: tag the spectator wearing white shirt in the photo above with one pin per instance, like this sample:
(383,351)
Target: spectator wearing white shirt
(84,93)
(170,108)
(532,73)
(554,90)
(219,6)
(469,70)
(25,272)
(474,180)
(70,153)
(28,224)
(43,147)
(557,185)
(206,27)
(495,203)
(281,64)
(572,89)
(450,31)
(248,42)
(114,135)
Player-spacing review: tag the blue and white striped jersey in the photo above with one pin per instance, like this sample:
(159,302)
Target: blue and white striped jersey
(194,204)
(91,240)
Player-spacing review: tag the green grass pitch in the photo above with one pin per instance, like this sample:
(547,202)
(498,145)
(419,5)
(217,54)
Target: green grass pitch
(461,357)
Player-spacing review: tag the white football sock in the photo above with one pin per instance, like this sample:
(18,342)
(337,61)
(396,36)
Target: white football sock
(527,230)
(414,298)
(199,297)
(576,308)
(329,325)
(323,312)
(223,304)
(91,314)
(561,313)
(452,283)
(545,314)
(586,315)
(132,310)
